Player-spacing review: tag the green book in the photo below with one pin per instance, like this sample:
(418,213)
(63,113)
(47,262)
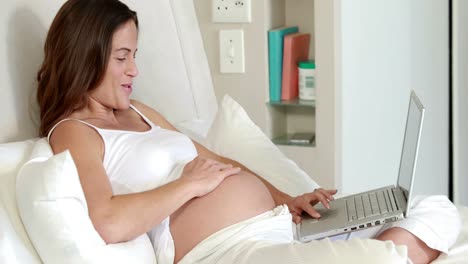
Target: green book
(275,58)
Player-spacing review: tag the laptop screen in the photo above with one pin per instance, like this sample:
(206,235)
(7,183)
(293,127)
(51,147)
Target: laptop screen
(410,144)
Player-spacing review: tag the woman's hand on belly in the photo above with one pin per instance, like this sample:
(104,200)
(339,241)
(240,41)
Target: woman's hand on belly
(207,174)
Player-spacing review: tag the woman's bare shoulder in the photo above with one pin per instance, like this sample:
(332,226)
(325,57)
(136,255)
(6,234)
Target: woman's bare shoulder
(77,137)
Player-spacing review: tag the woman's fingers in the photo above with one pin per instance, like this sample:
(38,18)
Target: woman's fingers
(328,193)
(306,202)
(208,163)
(318,196)
(307,206)
(296,218)
(230,171)
(225,170)
(331,193)
(220,166)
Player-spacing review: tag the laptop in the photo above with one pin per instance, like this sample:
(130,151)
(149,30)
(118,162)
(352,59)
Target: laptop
(375,207)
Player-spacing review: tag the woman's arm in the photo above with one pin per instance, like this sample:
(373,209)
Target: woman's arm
(119,218)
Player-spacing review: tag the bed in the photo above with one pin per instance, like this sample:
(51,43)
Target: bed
(174,78)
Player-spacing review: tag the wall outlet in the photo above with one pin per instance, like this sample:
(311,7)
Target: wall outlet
(231,11)
(231,51)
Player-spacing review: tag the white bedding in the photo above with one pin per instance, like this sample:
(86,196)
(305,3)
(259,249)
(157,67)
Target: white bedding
(458,253)
(268,238)
(15,246)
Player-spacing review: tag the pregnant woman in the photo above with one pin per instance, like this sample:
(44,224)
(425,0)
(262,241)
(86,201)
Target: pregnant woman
(139,174)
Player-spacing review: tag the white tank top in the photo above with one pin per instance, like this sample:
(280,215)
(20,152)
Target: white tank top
(140,161)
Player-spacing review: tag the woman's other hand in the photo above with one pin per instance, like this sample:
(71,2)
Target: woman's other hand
(307,201)
(206,174)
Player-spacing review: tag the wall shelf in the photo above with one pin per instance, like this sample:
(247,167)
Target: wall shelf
(291,117)
(293,103)
(286,140)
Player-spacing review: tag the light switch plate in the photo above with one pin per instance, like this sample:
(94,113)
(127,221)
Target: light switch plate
(231,51)
(231,11)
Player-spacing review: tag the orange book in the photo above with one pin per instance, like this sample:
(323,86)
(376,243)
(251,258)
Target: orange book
(296,48)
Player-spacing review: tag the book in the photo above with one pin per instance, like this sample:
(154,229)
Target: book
(275,58)
(302,138)
(296,49)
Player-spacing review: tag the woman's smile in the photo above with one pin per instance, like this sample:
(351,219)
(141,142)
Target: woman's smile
(128,87)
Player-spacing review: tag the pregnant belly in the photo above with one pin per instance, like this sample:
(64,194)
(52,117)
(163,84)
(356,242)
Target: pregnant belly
(237,198)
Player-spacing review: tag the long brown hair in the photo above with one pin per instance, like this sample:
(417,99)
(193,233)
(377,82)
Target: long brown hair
(77,49)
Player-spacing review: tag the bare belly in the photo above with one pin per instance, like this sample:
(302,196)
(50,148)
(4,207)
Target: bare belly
(236,199)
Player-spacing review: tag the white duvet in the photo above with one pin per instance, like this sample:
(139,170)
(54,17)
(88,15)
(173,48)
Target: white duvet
(268,238)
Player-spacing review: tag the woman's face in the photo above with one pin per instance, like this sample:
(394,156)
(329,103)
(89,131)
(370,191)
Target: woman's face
(117,85)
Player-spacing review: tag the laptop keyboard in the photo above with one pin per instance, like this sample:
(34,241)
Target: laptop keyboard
(371,204)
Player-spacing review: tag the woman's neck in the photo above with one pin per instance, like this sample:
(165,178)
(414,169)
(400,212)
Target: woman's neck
(97,111)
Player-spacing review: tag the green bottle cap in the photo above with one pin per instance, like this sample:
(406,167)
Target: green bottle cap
(308,64)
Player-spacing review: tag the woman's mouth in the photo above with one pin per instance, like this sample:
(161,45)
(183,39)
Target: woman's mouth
(127,87)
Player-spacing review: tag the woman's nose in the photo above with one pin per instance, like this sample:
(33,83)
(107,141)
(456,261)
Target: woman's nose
(132,68)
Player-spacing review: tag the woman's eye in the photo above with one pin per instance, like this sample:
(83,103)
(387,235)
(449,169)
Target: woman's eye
(120,59)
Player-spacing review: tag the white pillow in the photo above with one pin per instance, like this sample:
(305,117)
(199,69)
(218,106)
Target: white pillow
(54,211)
(234,135)
(15,245)
(12,247)
(195,129)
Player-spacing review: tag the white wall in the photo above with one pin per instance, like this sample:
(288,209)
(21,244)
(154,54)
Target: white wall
(375,89)
(22,53)
(328,117)
(389,48)
(430,79)
(460,96)
(249,88)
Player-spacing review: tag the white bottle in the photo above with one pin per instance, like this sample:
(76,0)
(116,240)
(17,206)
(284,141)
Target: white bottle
(307,80)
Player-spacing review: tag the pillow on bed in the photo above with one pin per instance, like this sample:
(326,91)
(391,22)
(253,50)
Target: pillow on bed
(13,249)
(15,245)
(54,211)
(234,135)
